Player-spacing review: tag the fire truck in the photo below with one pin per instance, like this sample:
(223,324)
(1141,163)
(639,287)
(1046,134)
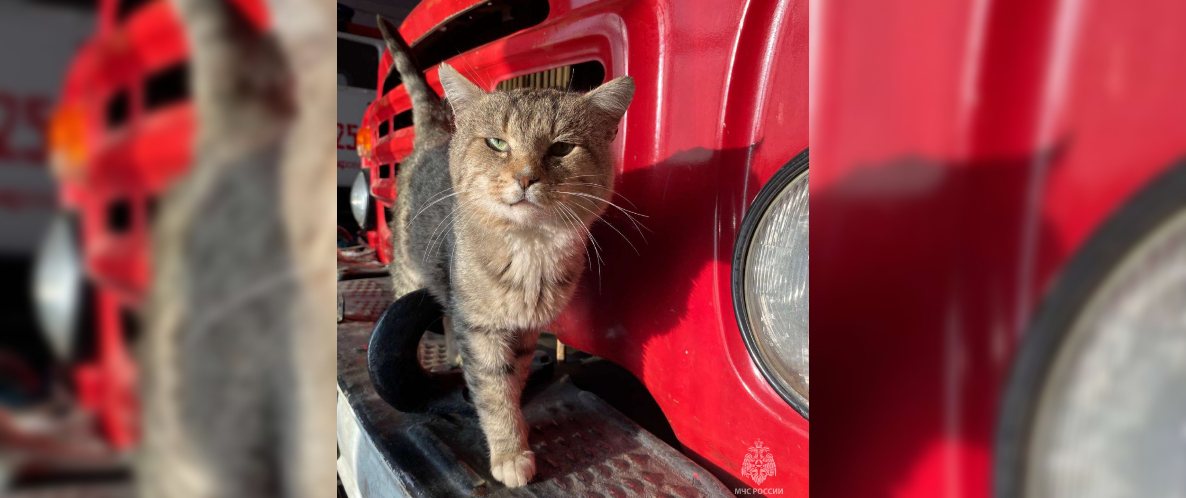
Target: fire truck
(703,303)
(121,134)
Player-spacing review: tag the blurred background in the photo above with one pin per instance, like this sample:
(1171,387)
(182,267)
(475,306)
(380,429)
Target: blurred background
(98,124)
(44,430)
(998,248)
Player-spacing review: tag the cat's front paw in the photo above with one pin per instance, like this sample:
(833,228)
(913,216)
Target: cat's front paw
(513,469)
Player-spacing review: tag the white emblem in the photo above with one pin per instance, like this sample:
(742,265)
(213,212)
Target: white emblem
(758,463)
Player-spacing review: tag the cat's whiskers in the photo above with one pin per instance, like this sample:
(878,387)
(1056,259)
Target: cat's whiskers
(428,247)
(634,222)
(447,218)
(580,176)
(602,199)
(585,247)
(463,219)
(596,247)
(461,222)
(619,194)
(612,191)
(425,208)
(611,225)
(457,223)
(473,74)
(624,211)
(433,196)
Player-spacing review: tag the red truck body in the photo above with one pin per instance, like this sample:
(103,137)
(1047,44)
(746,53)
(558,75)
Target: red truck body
(130,146)
(720,105)
(964,152)
(122,133)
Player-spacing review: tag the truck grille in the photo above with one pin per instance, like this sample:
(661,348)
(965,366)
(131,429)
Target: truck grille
(557,78)
(576,77)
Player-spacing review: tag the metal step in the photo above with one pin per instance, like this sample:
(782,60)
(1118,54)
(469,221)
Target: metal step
(74,490)
(583,446)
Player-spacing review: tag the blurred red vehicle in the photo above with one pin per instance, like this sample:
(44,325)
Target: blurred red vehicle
(997,261)
(712,151)
(121,134)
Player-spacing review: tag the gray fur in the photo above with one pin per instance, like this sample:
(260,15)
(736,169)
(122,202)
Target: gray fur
(460,91)
(431,124)
(430,118)
(237,359)
(498,237)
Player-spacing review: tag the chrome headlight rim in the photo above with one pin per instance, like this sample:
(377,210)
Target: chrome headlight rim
(60,305)
(361,202)
(1043,354)
(769,192)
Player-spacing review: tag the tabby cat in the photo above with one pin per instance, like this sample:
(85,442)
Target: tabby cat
(493,217)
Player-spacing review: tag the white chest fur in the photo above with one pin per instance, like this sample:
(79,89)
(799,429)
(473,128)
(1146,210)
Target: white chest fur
(517,280)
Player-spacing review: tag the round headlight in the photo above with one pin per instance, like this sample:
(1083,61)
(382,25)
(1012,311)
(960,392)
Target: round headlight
(360,200)
(770,282)
(57,286)
(1111,420)
(1095,405)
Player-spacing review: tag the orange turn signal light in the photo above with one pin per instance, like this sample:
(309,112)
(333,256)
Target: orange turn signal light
(363,141)
(67,142)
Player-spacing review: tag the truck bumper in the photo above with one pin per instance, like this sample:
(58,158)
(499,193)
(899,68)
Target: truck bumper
(583,446)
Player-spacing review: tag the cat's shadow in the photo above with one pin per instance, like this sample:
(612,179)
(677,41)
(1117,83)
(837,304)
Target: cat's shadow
(914,262)
(693,204)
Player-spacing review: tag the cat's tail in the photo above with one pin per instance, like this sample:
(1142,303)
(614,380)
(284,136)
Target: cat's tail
(394,364)
(429,119)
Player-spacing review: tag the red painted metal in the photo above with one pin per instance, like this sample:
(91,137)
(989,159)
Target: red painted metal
(363,30)
(133,162)
(962,152)
(720,105)
(106,384)
(136,160)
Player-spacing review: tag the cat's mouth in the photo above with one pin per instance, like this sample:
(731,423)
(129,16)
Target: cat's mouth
(522,200)
(522,206)
(522,211)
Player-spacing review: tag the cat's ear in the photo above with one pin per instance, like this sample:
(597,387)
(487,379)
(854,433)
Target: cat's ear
(613,97)
(459,90)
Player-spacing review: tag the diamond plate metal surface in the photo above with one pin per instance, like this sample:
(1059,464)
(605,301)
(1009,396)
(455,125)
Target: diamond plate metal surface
(431,353)
(365,298)
(583,446)
(92,490)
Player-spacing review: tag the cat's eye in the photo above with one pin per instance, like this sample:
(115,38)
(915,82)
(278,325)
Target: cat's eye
(560,149)
(497,144)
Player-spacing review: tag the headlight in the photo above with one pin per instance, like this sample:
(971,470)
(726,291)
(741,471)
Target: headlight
(360,200)
(770,284)
(1110,413)
(57,286)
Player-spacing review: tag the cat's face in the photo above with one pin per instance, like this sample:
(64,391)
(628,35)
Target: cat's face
(534,156)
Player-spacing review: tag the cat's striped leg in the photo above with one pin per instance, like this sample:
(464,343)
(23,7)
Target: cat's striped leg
(495,371)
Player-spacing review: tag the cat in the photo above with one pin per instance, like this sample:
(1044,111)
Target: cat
(493,218)
(237,359)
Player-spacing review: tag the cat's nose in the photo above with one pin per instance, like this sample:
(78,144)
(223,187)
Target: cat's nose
(526,179)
